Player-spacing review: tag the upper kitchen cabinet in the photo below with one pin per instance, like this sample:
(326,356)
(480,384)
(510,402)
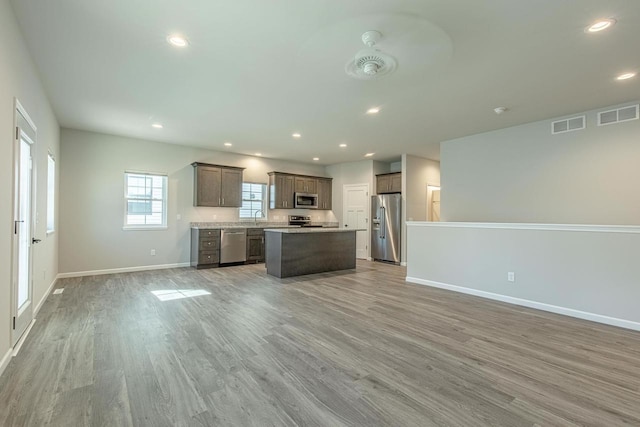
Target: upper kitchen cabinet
(325,193)
(281,190)
(389,183)
(306,184)
(217,186)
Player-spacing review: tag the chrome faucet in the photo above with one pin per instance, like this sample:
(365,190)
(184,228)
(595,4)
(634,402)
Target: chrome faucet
(255,215)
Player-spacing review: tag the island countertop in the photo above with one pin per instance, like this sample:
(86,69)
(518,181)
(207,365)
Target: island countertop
(311,230)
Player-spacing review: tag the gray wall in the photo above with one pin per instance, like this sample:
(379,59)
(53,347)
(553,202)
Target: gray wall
(583,272)
(525,174)
(92,199)
(19,78)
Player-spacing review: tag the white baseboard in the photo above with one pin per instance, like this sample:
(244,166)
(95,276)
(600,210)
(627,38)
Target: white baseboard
(404,264)
(122,270)
(5,361)
(622,323)
(23,338)
(44,297)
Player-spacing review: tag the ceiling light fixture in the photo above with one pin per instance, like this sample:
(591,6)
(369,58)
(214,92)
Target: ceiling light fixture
(499,110)
(157,125)
(178,41)
(296,135)
(374,110)
(228,144)
(343,145)
(369,154)
(626,76)
(259,154)
(600,25)
(315,159)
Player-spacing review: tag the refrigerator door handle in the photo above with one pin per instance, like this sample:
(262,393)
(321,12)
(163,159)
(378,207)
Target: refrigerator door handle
(383,222)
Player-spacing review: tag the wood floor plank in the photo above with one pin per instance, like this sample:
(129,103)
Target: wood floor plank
(354,348)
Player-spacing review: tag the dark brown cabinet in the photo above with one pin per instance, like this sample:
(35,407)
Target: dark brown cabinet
(255,245)
(305,184)
(283,186)
(325,193)
(217,186)
(389,183)
(281,191)
(205,248)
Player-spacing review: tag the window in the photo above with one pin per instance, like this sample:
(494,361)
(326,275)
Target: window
(51,194)
(145,200)
(254,199)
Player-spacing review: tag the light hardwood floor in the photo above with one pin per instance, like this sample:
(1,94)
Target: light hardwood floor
(359,348)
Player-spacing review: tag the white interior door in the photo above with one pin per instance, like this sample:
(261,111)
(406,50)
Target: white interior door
(355,214)
(23,226)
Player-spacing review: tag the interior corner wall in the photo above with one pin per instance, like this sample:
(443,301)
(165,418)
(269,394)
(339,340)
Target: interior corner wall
(524,174)
(92,199)
(417,173)
(19,79)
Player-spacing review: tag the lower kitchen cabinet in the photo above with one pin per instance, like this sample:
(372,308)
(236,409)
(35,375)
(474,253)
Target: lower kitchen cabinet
(255,245)
(205,248)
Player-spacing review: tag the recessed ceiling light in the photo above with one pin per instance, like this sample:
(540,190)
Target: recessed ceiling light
(296,135)
(373,110)
(228,144)
(315,159)
(157,125)
(258,154)
(600,25)
(369,154)
(177,41)
(626,76)
(343,145)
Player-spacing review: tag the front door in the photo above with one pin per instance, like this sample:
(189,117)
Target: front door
(356,215)
(23,225)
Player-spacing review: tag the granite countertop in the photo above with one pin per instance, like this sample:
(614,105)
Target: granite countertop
(250,224)
(311,230)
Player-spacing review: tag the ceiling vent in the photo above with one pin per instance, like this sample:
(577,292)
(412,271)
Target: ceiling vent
(370,63)
(618,115)
(568,125)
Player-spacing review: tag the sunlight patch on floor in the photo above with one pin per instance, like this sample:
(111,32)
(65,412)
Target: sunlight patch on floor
(171,294)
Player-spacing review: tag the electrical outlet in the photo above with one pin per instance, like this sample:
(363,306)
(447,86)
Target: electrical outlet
(511,276)
(153,252)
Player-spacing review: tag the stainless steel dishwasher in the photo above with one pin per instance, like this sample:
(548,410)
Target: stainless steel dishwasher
(233,245)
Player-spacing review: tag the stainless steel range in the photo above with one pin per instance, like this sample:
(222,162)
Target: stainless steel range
(302,221)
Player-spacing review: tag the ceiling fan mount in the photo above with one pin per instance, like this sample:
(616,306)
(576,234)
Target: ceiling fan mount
(370,63)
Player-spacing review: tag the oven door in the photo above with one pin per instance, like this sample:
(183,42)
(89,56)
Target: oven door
(306,201)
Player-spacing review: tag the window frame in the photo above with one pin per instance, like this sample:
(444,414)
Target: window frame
(265,201)
(51,194)
(164,200)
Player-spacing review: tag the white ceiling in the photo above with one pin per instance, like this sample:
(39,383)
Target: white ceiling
(257,71)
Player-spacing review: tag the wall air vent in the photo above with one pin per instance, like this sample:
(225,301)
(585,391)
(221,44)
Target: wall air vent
(568,125)
(623,114)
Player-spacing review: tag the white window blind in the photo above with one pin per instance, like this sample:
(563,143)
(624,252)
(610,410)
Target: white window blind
(254,199)
(145,200)
(51,194)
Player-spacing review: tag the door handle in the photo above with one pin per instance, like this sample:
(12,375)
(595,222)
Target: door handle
(34,240)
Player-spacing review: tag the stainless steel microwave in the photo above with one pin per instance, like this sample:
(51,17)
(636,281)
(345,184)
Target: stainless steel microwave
(306,201)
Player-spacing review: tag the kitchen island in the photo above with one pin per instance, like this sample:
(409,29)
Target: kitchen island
(299,251)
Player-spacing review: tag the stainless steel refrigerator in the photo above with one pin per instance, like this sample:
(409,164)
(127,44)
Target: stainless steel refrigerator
(385,227)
